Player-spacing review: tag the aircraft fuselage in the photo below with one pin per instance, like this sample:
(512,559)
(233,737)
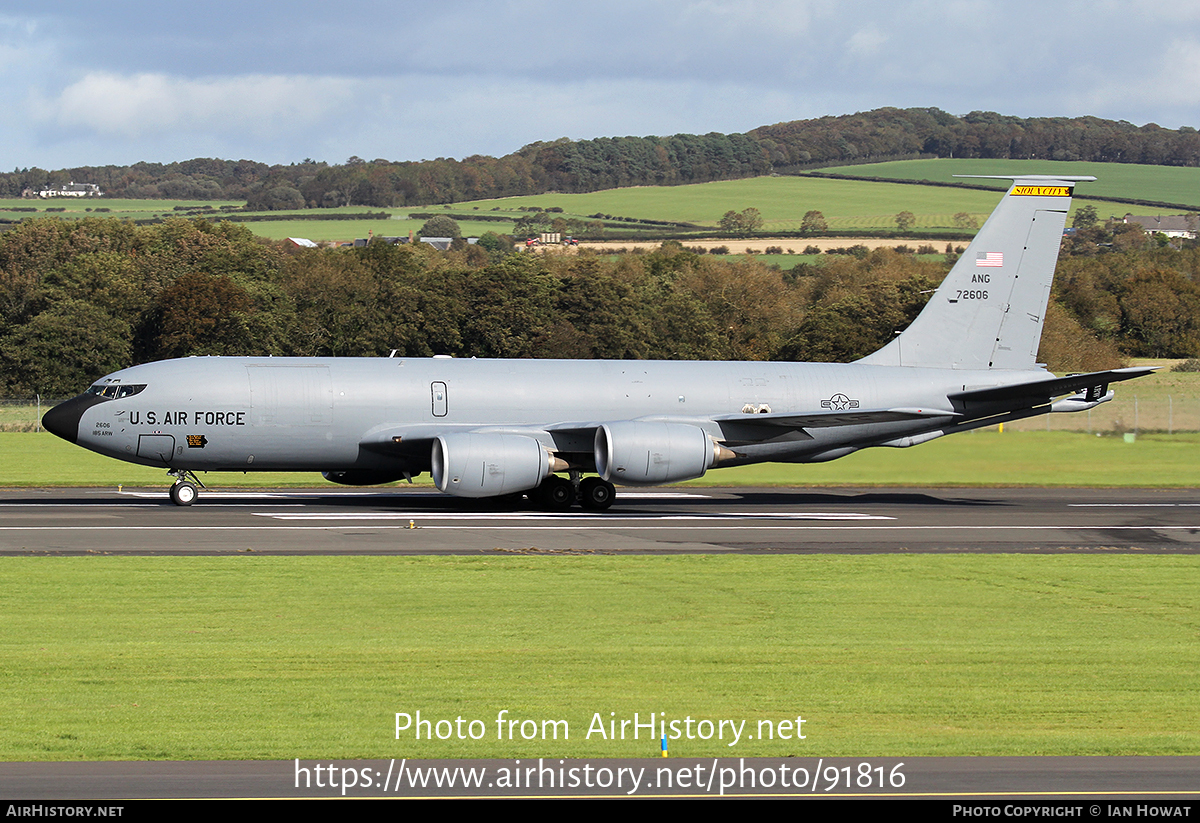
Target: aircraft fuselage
(319,414)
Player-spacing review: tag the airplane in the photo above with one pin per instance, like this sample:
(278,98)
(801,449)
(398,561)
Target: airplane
(512,428)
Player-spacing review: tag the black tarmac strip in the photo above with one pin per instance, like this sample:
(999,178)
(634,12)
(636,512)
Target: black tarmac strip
(1096,787)
(651,521)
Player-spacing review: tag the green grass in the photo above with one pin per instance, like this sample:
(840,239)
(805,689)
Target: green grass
(1168,184)
(344,231)
(79,207)
(847,205)
(982,458)
(987,458)
(41,459)
(311,657)
(313,229)
(347,230)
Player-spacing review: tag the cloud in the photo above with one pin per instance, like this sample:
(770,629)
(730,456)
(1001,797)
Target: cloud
(275,82)
(1165,91)
(866,42)
(1177,81)
(140,105)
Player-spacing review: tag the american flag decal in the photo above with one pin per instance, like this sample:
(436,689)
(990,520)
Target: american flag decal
(989,259)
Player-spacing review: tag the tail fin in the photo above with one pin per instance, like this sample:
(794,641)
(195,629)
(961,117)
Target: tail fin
(988,312)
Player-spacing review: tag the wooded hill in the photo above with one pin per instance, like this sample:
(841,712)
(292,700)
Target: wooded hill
(82,298)
(613,162)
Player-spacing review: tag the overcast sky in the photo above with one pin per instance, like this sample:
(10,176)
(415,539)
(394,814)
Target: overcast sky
(87,83)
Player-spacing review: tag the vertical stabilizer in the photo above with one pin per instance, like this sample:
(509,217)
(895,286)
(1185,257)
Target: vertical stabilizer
(988,312)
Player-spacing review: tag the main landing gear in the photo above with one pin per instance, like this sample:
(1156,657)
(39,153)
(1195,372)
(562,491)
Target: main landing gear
(596,493)
(557,493)
(186,487)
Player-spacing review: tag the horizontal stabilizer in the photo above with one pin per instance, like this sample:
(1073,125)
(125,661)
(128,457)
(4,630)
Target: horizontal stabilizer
(1051,387)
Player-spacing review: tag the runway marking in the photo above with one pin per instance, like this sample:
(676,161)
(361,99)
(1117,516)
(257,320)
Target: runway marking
(210,495)
(399,493)
(426,515)
(1129,505)
(609,525)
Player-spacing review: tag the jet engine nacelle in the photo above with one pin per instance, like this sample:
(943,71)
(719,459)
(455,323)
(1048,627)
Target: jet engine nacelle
(487,464)
(645,453)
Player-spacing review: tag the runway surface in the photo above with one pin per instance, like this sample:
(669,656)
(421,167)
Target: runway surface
(1099,787)
(653,521)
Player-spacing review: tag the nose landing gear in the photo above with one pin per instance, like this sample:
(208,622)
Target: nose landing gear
(185,490)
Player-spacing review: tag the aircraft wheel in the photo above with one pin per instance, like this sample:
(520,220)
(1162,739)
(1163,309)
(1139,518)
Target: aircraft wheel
(597,493)
(555,493)
(183,493)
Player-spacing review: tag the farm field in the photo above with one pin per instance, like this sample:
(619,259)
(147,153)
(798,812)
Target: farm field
(847,205)
(86,207)
(1168,184)
(316,230)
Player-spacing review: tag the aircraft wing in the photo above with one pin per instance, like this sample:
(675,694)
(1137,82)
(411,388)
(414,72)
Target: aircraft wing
(1094,383)
(826,419)
(414,441)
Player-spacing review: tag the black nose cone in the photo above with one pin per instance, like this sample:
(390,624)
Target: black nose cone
(63,419)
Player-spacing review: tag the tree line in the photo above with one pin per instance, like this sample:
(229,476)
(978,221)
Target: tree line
(82,298)
(613,162)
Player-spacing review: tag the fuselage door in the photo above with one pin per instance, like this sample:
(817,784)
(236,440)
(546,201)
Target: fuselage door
(438,391)
(159,447)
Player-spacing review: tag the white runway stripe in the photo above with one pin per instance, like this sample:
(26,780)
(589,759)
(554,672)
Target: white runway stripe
(568,516)
(207,494)
(614,525)
(1129,505)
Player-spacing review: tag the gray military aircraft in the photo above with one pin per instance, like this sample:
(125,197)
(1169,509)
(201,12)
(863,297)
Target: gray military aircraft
(505,428)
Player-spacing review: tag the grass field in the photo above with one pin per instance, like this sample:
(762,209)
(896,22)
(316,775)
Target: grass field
(854,205)
(981,458)
(276,658)
(316,230)
(86,207)
(847,205)
(1168,184)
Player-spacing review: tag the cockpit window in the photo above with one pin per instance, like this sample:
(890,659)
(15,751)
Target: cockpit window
(117,390)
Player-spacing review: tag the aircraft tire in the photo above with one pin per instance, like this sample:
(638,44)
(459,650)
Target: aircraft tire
(554,494)
(184,493)
(596,493)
